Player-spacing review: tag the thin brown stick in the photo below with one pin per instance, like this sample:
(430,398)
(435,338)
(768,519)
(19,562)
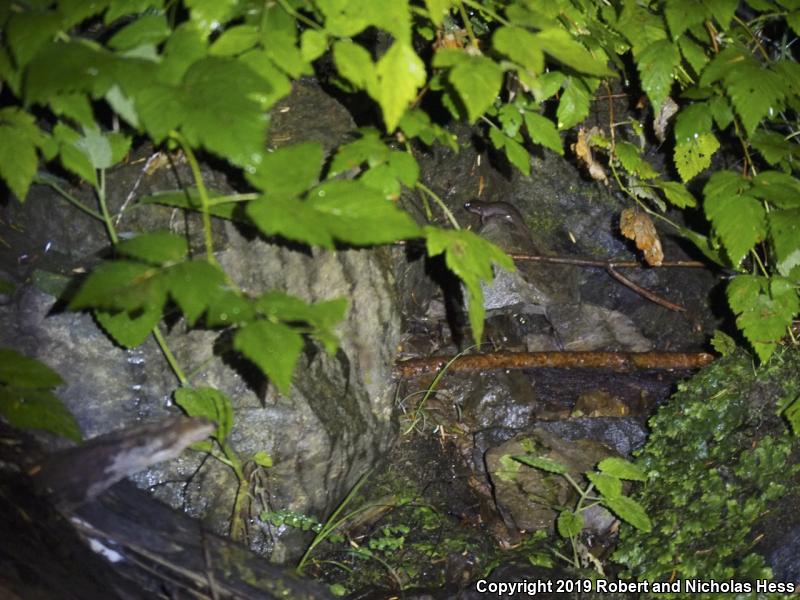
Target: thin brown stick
(605,264)
(644,292)
(614,361)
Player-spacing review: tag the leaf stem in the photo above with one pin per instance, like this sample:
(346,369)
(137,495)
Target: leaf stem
(300,17)
(201,191)
(70,198)
(101,198)
(440,204)
(491,13)
(165,350)
(467,25)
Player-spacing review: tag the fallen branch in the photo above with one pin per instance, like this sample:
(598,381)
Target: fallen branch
(644,292)
(614,361)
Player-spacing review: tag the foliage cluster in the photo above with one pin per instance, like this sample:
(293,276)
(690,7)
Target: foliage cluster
(711,475)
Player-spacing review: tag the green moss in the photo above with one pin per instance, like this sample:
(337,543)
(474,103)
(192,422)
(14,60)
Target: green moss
(716,458)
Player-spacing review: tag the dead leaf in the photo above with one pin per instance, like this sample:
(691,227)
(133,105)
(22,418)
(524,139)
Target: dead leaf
(668,110)
(636,225)
(583,151)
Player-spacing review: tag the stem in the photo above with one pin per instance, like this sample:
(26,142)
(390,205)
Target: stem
(101,197)
(300,17)
(71,199)
(491,13)
(440,203)
(173,363)
(467,25)
(202,192)
(746,27)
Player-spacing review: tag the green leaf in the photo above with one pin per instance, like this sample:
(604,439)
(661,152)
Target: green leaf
(209,403)
(228,308)
(29,408)
(608,485)
(629,511)
(22,372)
(189,199)
(560,45)
(369,149)
(186,45)
(477,80)
(693,156)
(28,31)
(75,107)
(765,308)
(288,171)
(677,194)
(155,248)
(755,92)
(147,29)
(543,131)
(400,73)
(784,228)
(280,84)
(354,64)
(569,523)
(417,123)
(273,347)
(438,9)
(322,316)
(631,160)
(208,14)
(470,257)
(656,63)
(313,44)
(692,121)
(357,215)
(779,189)
(19,137)
(292,219)
(195,285)
(129,330)
(619,467)
(518,156)
(262,459)
(222,102)
(61,67)
(574,104)
(545,464)
(792,414)
(234,41)
(723,343)
(521,46)
(122,285)
(772,146)
(121,8)
(739,219)
(404,167)
(683,14)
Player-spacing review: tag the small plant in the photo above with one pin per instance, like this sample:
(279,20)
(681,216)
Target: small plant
(604,488)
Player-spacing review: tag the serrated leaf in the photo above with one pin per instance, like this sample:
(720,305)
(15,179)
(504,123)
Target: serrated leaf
(692,120)
(470,257)
(357,215)
(278,81)
(656,64)
(186,45)
(677,194)
(477,80)
(779,189)
(273,347)
(209,403)
(560,45)
(693,52)
(121,8)
(235,40)
(792,414)
(608,485)
(29,408)
(694,156)
(400,73)
(155,248)
(543,131)
(129,330)
(122,285)
(574,104)
(354,64)
(723,343)
(147,29)
(772,146)
(723,11)
(228,308)
(75,107)
(765,308)
(569,523)
(631,160)
(739,221)
(683,14)
(189,199)
(404,167)
(382,179)
(194,286)
(369,149)
(629,511)
(755,92)
(521,46)
(292,219)
(545,464)
(518,156)
(18,141)
(62,67)
(262,459)
(322,316)
(28,31)
(619,467)
(288,171)
(784,229)
(208,14)
(22,372)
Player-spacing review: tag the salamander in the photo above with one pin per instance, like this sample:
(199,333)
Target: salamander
(500,210)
